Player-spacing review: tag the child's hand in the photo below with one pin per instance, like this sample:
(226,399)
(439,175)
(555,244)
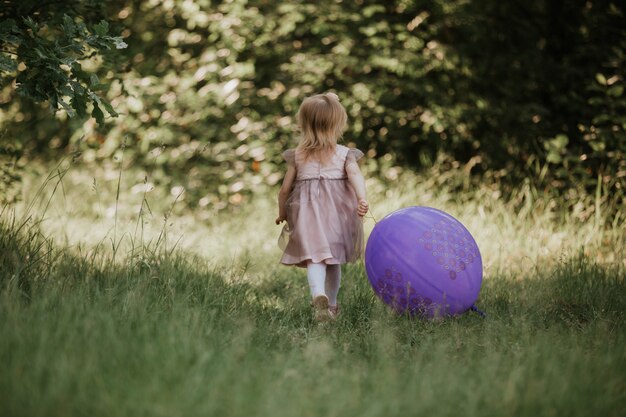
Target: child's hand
(280,219)
(363,208)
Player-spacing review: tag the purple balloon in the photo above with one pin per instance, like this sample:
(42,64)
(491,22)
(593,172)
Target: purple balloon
(423,261)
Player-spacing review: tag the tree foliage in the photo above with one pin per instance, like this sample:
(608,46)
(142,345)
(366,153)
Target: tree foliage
(509,90)
(49,52)
(44,50)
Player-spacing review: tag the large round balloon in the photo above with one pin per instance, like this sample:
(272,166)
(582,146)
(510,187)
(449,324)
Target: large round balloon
(423,261)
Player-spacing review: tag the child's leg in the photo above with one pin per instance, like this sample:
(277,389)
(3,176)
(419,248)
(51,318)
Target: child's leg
(316,274)
(333,281)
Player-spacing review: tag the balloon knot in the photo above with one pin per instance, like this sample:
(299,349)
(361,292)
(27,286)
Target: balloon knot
(480,313)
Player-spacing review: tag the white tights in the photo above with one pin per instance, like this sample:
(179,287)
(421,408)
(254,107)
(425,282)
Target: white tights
(324,280)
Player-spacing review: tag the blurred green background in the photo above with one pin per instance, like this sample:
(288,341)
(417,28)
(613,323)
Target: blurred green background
(512,93)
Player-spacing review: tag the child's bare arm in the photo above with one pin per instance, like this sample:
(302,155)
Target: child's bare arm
(285,189)
(358,183)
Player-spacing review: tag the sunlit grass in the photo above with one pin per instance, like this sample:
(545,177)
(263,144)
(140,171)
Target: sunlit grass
(518,234)
(110,308)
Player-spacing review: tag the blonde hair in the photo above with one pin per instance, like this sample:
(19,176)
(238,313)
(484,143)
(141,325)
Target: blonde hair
(322,120)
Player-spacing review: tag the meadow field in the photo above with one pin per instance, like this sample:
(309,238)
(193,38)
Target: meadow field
(117,298)
(140,160)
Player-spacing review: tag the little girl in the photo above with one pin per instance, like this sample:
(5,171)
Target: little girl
(322,198)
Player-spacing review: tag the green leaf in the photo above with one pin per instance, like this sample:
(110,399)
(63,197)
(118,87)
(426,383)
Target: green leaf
(616,91)
(8,29)
(101,28)
(109,108)
(41,54)
(596,101)
(66,90)
(370,11)
(77,88)
(31,24)
(68,60)
(81,29)
(97,114)
(559,142)
(94,82)
(7,64)
(94,97)
(554,158)
(68,26)
(79,104)
(597,145)
(70,111)
(601,119)
(556,148)
(10,39)
(601,79)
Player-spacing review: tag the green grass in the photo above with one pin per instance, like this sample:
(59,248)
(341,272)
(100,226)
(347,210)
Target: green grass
(207,331)
(175,338)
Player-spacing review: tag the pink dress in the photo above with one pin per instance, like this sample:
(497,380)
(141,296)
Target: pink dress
(322,223)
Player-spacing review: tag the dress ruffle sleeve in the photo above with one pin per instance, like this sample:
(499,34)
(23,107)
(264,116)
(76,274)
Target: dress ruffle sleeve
(290,156)
(353,156)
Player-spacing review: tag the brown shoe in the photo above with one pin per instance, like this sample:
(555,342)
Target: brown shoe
(334,311)
(320,307)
